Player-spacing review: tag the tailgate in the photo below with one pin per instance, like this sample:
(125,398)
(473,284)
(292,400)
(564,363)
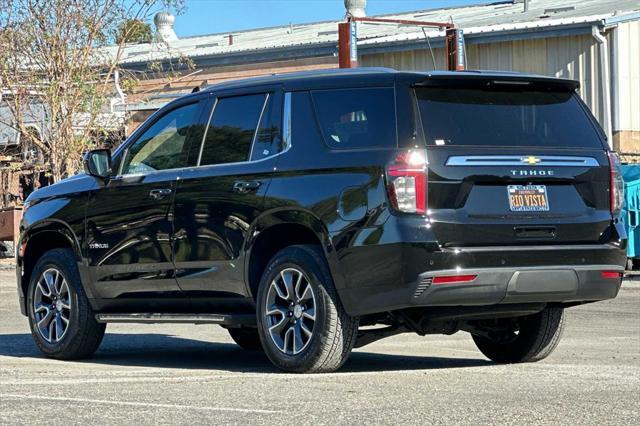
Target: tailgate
(510,164)
(501,199)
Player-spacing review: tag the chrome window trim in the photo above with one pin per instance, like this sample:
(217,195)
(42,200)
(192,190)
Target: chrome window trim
(286,122)
(255,133)
(519,160)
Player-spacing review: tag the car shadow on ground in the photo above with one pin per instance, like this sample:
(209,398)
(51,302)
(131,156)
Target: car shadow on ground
(167,351)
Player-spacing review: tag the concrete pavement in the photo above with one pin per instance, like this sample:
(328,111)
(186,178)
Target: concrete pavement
(183,374)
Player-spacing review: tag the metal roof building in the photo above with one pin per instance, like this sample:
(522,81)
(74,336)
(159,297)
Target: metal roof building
(596,42)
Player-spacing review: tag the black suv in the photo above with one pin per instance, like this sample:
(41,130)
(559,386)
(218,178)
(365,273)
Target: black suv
(312,213)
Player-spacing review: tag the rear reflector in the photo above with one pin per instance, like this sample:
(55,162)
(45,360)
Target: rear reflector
(611,274)
(453,279)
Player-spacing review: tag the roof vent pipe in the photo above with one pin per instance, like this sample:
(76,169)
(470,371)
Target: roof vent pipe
(605,69)
(355,8)
(525,2)
(164,27)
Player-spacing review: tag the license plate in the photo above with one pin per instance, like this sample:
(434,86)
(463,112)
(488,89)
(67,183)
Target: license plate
(528,198)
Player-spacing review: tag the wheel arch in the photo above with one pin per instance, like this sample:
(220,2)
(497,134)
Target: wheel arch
(36,240)
(278,229)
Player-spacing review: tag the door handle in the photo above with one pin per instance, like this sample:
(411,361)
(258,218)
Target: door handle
(243,186)
(159,194)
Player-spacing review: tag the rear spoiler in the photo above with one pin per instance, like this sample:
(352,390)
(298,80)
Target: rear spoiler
(518,82)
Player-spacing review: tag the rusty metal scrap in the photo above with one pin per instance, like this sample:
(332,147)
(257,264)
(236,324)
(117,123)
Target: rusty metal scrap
(17,182)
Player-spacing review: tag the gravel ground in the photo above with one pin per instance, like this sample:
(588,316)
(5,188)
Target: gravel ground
(183,374)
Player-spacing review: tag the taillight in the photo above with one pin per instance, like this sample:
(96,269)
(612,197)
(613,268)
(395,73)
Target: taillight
(611,275)
(616,184)
(407,182)
(453,279)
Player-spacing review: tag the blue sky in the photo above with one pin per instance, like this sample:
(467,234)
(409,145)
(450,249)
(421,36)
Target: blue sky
(214,16)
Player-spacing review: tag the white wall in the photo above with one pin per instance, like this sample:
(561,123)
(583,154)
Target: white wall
(626,62)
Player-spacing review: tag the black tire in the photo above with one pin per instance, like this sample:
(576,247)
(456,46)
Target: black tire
(83,333)
(334,331)
(246,337)
(538,335)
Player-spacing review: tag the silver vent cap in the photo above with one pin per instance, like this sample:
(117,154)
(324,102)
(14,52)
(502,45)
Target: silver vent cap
(355,8)
(164,27)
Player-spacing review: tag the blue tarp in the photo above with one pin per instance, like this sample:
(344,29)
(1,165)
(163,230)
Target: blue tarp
(631,212)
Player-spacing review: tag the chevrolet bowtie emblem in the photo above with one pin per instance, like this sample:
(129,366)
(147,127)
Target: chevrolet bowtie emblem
(530,160)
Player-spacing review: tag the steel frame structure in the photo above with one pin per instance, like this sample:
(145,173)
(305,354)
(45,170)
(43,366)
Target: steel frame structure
(347,39)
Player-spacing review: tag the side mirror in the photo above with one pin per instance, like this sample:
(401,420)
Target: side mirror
(97,163)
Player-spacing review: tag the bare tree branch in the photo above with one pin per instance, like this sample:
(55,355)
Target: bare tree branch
(57,62)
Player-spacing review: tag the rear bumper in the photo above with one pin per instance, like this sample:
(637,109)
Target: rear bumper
(534,274)
(523,285)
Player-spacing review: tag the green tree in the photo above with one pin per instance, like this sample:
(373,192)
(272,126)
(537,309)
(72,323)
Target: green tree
(134,31)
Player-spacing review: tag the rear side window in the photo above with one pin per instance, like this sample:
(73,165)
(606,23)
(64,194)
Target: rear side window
(505,118)
(231,129)
(357,118)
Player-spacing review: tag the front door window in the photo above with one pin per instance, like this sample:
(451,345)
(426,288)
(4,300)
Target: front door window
(164,145)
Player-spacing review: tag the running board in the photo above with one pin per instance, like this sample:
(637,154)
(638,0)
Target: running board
(152,318)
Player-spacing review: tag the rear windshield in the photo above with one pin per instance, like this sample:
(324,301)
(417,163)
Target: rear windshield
(504,118)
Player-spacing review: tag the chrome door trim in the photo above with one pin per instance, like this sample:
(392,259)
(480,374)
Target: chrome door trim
(286,121)
(519,160)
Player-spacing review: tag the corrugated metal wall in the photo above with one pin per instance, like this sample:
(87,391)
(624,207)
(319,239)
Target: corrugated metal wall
(627,62)
(574,57)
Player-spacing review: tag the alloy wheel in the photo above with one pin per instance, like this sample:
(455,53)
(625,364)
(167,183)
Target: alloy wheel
(52,305)
(290,311)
